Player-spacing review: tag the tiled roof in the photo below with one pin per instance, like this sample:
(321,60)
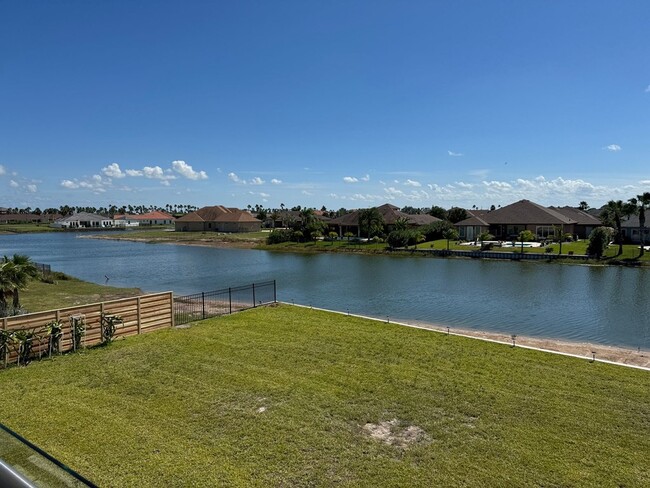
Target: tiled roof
(390,214)
(526,212)
(580,216)
(84,217)
(218,213)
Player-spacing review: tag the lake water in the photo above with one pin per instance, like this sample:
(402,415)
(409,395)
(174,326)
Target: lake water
(606,305)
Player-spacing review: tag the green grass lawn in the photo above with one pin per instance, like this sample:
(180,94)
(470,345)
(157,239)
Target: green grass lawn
(67,291)
(26,228)
(284,396)
(167,235)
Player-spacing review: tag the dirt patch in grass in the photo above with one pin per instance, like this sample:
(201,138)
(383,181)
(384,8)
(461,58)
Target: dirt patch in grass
(395,433)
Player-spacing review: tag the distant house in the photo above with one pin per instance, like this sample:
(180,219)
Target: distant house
(507,222)
(219,219)
(83,220)
(156,217)
(390,213)
(631,232)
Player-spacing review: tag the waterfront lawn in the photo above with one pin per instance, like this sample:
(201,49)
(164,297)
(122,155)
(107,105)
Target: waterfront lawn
(284,396)
(67,291)
(26,228)
(169,235)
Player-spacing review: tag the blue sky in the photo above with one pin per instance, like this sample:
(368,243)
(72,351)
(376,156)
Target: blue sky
(338,103)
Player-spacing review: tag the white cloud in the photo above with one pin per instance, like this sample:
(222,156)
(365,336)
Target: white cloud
(165,183)
(462,184)
(71,185)
(156,173)
(275,181)
(383,183)
(134,172)
(350,179)
(264,195)
(365,178)
(305,192)
(412,183)
(645,182)
(454,154)
(257,181)
(13,184)
(113,171)
(613,147)
(31,188)
(184,169)
(2,170)
(647,89)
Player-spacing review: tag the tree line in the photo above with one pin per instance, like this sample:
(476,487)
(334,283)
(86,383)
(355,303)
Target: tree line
(66,210)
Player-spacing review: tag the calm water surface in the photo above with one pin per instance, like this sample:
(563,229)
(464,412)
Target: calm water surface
(580,303)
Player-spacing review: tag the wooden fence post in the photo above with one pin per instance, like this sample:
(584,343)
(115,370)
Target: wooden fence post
(139,317)
(4,327)
(171,308)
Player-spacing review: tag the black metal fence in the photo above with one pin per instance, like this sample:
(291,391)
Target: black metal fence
(46,269)
(204,305)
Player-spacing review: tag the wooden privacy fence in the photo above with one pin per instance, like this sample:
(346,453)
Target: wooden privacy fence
(138,315)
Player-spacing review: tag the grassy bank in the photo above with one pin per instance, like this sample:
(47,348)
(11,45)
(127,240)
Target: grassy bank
(26,228)
(67,291)
(294,397)
(244,239)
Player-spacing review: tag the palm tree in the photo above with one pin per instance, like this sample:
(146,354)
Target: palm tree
(641,203)
(371,221)
(613,214)
(22,270)
(6,285)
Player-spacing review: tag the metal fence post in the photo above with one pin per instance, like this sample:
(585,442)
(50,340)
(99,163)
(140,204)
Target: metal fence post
(230,300)
(254,295)
(275,293)
(203,303)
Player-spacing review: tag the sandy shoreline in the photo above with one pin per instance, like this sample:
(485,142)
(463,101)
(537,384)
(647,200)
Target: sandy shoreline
(615,354)
(199,242)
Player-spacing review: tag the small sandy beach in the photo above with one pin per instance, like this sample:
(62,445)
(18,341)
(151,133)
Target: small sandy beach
(609,353)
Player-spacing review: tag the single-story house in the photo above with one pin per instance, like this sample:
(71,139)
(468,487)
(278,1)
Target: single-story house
(83,220)
(218,219)
(157,217)
(507,222)
(390,213)
(631,231)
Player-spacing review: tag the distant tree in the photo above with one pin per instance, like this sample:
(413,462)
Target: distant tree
(584,206)
(612,216)
(450,235)
(332,235)
(641,203)
(261,214)
(598,241)
(371,222)
(435,230)
(438,212)
(401,223)
(456,214)
(525,236)
(492,208)
(411,210)
(484,236)
(297,208)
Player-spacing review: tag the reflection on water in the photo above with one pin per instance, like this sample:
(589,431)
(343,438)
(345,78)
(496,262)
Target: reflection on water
(581,303)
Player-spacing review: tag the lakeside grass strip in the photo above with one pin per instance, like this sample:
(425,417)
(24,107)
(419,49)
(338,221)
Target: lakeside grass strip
(282,396)
(469,336)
